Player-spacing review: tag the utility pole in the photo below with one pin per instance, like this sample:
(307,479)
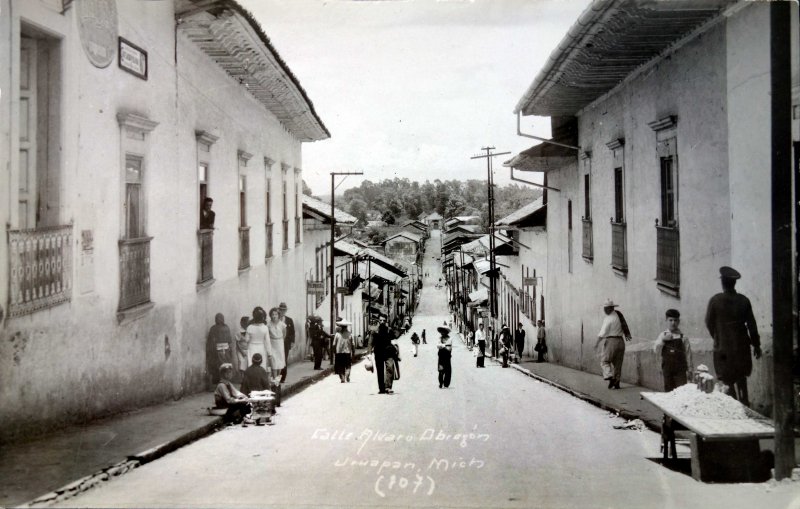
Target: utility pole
(490,192)
(335,174)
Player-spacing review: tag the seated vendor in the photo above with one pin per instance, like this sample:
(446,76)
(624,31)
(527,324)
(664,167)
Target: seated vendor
(256,378)
(227,396)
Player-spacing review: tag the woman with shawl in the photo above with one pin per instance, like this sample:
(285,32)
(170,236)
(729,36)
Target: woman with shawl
(220,347)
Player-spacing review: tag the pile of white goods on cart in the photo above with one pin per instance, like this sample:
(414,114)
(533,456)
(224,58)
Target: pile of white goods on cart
(263,406)
(723,433)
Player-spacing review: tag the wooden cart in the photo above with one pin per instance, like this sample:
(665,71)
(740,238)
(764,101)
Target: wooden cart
(723,450)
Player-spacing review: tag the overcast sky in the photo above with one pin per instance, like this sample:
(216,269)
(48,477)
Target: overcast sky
(414,88)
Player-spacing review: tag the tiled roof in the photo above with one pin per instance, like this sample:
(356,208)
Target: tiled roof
(231,36)
(324,209)
(521,213)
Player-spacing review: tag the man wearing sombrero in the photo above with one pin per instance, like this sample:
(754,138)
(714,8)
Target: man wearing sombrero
(613,333)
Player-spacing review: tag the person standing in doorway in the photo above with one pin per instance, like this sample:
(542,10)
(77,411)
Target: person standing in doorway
(379,346)
(519,341)
(613,334)
(480,340)
(730,320)
(288,340)
(207,216)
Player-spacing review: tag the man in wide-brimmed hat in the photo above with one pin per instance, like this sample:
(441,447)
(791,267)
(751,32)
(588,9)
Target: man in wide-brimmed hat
(378,345)
(444,354)
(730,320)
(613,334)
(319,339)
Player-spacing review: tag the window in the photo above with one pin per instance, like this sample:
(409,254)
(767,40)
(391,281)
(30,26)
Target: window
(569,236)
(242,201)
(619,253)
(619,209)
(667,233)
(202,179)
(133,205)
(244,230)
(268,205)
(587,209)
(668,177)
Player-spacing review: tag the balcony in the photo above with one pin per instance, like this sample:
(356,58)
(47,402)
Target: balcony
(244,247)
(285,234)
(588,247)
(297,227)
(134,269)
(668,258)
(40,263)
(269,252)
(619,251)
(205,240)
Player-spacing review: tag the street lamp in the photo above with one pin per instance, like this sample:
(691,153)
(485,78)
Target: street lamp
(334,174)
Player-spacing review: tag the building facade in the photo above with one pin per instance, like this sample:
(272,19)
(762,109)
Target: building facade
(122,117)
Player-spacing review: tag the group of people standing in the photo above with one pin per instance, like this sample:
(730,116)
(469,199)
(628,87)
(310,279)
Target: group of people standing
(731,323)
(262,338)
(508,344)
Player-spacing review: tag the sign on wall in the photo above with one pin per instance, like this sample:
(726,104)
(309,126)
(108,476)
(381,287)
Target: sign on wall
(97,26)
(315,287)
(132,58)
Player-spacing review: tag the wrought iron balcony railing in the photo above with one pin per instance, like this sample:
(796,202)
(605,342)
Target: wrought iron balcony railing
(619,250)
(134,269)
(205,241)
(40,263)
(588,247)
(668,256)
(244,247)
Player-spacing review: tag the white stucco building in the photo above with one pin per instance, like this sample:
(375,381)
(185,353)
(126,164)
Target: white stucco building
(116,119)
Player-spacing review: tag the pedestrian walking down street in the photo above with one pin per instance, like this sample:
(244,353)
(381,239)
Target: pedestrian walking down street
(415,343)
(675,351)
(288,338)
(392,362)
(424,341)
(378,346)
(541,343)
(480,340)
(220,348)
(519,341)
(228,397)
(258,336)
(730,320)
(505,344)
(613,334)
(445,353)
(344,348)
(277,335)
(319,339)
(406,325)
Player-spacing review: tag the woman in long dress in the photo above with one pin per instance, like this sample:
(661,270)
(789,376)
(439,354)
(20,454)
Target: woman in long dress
(257,337)
(277,331)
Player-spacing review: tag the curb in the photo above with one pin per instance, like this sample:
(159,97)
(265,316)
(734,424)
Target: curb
(136,460)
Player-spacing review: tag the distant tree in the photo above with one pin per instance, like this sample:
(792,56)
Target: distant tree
(375,236)
(306,189)
(358,209)
(388,218)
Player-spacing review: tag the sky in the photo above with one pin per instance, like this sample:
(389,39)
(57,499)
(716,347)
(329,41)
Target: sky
(415,88)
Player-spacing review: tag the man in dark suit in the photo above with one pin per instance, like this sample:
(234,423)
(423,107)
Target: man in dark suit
(288,340)
(380,342)
(519,341)
(730,320)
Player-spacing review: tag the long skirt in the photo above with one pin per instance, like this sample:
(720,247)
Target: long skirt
(343,363)
(611,360)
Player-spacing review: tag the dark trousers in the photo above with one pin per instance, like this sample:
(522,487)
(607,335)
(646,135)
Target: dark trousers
(380,367)
(520,347)
(480,361)
(318,350)
(673,378)
(286,347)
(236,412)
(737,389)
(445,373)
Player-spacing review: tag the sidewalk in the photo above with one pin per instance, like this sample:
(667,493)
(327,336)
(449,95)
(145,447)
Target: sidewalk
(77,457)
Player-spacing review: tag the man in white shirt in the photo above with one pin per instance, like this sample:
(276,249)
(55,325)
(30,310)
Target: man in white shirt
(480,340)
(613,333)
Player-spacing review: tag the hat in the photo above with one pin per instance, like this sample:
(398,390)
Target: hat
(315,318)
(609,304)
(257,359)
(282,305)
(343,323)
(673,313)
(224,366)
(728,272)
(444,331)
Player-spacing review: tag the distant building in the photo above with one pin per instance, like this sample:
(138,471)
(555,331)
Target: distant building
(433,220)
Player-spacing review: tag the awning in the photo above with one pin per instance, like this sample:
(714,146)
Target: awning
(377,308)
(479,296)
(467,259)
(481,266)
(532,213)
(544,157)
(373,292)
(377,271)
(342,247)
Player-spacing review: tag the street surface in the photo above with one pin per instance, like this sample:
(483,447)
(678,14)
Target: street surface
(495,438)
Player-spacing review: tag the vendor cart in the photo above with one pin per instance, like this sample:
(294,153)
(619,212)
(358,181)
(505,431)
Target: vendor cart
(262,404)
(723,449)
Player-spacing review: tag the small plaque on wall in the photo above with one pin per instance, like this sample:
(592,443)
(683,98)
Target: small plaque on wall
(132,58)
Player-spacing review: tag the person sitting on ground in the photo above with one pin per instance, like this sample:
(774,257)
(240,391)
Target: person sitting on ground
(256,378)
(228,397)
